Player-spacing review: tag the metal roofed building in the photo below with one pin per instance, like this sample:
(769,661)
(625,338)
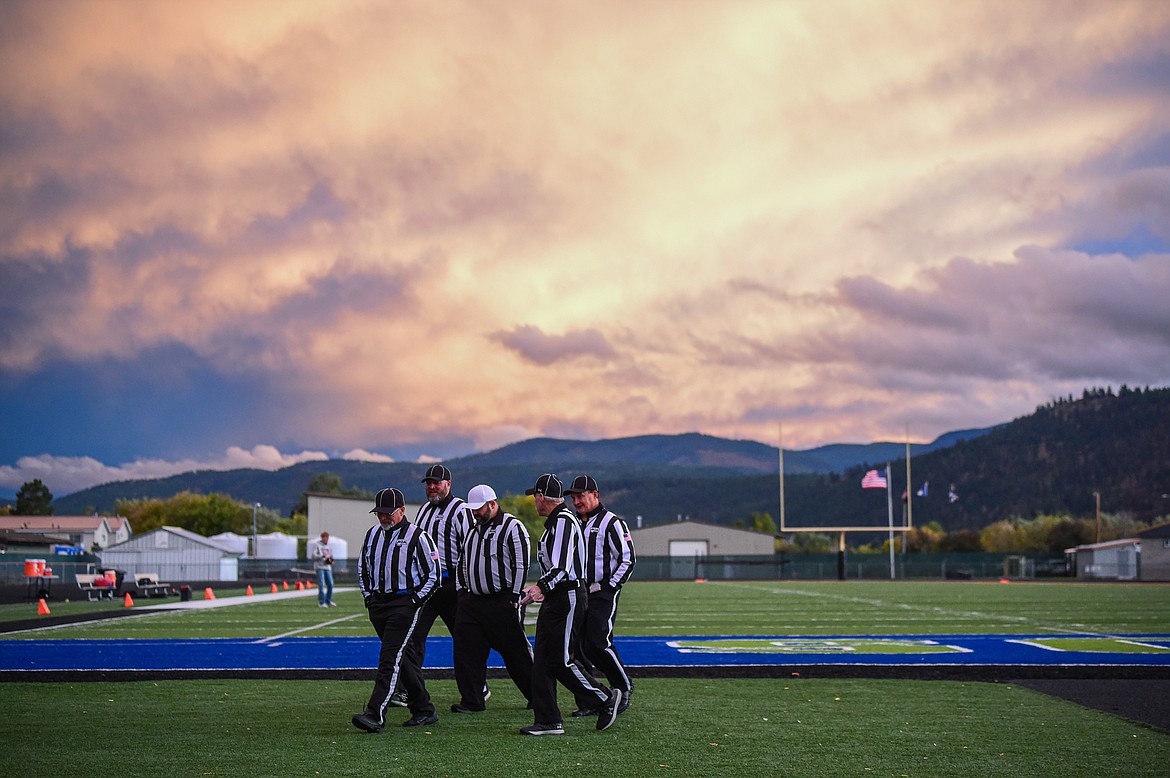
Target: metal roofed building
(1117,560)
(175,554)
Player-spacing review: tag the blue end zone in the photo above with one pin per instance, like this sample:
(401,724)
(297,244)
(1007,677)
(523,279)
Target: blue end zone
(336,654)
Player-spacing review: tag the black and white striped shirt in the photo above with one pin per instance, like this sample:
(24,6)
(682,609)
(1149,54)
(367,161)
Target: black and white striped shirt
(561,551)
(496,556)
(609,550)
(400,560)
(447,523)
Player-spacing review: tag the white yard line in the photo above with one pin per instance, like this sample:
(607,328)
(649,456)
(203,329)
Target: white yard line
(309,628)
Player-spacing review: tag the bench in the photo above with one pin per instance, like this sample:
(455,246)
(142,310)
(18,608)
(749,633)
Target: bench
(148,585)
(95,587)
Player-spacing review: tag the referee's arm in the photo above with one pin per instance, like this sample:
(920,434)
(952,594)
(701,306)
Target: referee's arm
(623,552)
(521,549)
(429,567)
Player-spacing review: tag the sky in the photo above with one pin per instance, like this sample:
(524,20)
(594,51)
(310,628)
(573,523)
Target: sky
(253,234)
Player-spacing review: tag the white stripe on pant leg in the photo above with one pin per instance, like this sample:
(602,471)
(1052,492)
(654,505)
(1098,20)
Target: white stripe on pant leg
(398,664)
(609,649)
(573,667)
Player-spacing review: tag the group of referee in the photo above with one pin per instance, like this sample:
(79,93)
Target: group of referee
(467,562)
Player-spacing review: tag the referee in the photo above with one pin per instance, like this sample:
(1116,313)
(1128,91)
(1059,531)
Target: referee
(559,589)
(490,582)
(446,519)
(609,561)
(397,571)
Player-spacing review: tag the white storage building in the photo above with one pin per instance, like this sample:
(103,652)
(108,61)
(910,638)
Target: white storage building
(176,555)
(1114,559)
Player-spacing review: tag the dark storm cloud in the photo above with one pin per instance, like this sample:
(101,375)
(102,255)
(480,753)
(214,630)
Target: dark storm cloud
(36,288)
(1064,315)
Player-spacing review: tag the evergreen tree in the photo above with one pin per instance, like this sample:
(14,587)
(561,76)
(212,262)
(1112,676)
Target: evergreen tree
(34,499)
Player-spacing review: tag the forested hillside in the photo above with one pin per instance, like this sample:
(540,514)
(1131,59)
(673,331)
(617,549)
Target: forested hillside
(1050,462)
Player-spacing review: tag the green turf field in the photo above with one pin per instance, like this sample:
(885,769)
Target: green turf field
(780,608)
(691,727)
(675,727)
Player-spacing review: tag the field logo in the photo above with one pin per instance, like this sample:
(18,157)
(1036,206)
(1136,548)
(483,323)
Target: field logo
(851,646)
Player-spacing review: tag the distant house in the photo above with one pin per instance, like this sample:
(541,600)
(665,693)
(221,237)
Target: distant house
(84,532)
(1155,553)
(30,543)
(176,555)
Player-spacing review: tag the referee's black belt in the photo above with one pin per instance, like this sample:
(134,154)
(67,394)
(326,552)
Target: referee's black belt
(390,596)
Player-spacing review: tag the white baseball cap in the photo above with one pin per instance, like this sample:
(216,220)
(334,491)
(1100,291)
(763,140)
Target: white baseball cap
(480,496)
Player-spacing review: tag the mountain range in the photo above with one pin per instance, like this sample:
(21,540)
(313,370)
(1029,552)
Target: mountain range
(514,467)
(1052,461)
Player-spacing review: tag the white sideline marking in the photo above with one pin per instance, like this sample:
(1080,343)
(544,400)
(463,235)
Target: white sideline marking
(1034,644)
(307,629)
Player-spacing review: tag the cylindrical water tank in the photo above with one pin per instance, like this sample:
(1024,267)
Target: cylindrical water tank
(238,543)
(276,545)
(340,547)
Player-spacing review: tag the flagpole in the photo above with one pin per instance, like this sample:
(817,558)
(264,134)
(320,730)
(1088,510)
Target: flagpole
(909,493)
(780,446)
(890,509)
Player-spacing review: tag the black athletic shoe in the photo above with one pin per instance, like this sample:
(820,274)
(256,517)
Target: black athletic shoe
(487,693)
(583,712)
(607,713)
(543,729)
(367,722)
(627,697)
(398,699)
(421,721)
(461,708)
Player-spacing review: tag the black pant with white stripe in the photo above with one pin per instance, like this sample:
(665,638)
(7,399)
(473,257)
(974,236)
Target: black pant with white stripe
(440,605)
(395,619)
(597,637)
(554,657)
(484,622)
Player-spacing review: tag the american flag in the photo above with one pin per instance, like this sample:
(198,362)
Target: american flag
(874,479)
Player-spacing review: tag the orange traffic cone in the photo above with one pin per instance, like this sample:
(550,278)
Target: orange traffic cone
(42,608)
(208,594)
(300,586)
(249,591)
(274,588)
(129,600)
(286,586)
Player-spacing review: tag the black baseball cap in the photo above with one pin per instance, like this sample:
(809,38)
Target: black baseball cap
(437,473)
(388,501)
(548,485)
(582,483)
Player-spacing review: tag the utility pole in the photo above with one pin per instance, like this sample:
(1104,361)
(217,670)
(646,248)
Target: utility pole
(255,548)
(1097,495)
